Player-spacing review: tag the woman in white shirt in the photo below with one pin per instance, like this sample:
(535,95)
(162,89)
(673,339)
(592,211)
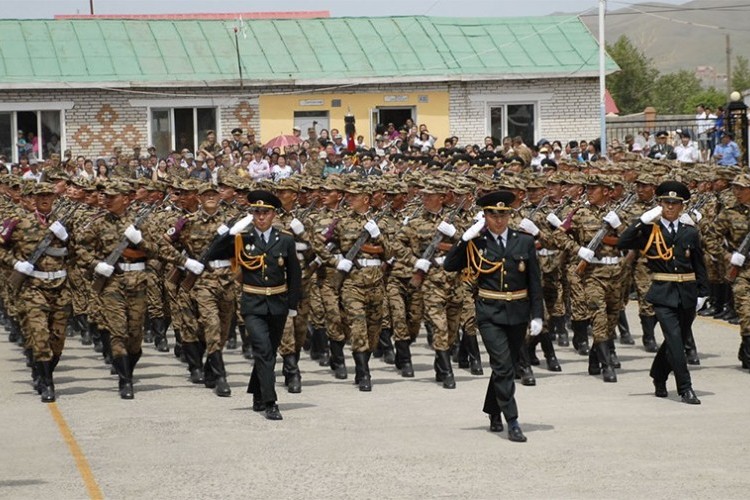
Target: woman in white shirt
(281,170)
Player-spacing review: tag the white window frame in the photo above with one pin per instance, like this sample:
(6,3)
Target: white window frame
(503,100)
(35,107)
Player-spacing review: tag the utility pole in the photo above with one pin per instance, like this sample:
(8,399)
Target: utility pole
(729,67)
(91,6)
(602,80)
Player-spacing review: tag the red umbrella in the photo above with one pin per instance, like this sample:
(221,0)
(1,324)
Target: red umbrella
(282,141)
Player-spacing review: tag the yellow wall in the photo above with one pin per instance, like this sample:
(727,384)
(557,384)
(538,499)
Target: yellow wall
(277,111)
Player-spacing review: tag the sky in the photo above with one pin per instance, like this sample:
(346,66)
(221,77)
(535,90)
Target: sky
(12,9)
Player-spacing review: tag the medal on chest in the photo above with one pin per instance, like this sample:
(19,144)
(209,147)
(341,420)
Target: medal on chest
(281,261)
(522,266)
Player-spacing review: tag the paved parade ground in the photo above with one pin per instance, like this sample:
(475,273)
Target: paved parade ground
(408,438)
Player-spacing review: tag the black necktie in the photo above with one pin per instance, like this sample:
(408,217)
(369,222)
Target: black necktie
(671,229)
(263,238)
(500,243)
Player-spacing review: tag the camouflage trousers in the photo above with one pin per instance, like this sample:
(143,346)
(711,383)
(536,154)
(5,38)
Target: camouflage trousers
(579,308)
(443,303)
(642,280)
(406,308)
(469,310)
(80,290)
(46,312)
(317,314)
(602,286)
(334,323)
(156,295)
(183,315)
(741,290)
(363,308)
(213,301)
(123,303)
(295,331)
(552,290)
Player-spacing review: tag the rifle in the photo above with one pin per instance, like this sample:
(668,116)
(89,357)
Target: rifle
(418,277)
(364,235)
(596,241)
(308,210)
(189,281)
(100,280)
(328,236)
(733,270)
(17,279)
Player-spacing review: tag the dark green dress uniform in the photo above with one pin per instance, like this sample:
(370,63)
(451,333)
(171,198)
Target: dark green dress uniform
(679,277)
(271,287)
(509,295)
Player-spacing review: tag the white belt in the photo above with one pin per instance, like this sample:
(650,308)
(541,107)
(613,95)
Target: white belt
(135,266)
(219,264)
(56,251)
(439,260)
(608,261)
(369,262)
(53,275)
(546,252)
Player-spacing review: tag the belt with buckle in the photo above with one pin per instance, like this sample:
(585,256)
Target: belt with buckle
(219,264)
(607,261)
(677,278)
(369,262)
(264,290)
(495,295)
(135,266)
(52,275)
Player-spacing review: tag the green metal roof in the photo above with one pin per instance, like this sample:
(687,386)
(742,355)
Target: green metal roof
(80,53)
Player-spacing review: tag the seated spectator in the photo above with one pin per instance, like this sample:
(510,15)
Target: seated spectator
(281,170)
(259,168)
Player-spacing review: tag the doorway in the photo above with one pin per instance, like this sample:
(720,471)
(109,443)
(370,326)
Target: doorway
(397,116)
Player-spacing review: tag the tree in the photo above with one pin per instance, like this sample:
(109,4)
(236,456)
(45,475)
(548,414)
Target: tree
(631,87)
(741,74)
(679,93)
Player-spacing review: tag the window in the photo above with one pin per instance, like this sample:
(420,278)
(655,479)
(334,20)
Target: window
(311,119)
(513,120)
(36,134)
(180,128)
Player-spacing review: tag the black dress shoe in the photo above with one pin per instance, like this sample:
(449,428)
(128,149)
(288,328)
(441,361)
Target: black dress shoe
(272,412)
(527,377)
(515,434)
(553,364)
(690,398)
(496,423)
(258,405)
(692,357)
(196,376)
(660,389)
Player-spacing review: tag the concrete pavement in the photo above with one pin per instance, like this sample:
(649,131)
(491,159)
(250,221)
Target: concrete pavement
(408,438)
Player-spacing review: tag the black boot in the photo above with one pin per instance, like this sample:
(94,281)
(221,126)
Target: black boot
(148,330)
(444,370)
(558,324)
(96,337)
(731,316)
(338,363)
(648,325)
(106,346)
(714,301)
(744,353)
(232,338)
(608,370)
(723,292)
(14,328)
(548,348)
(430,334)
(132,361)
(386,345)
(475,360)
(362,371)
(216,361)
(403,359)
(595,367)
(37,377)
(70,327)
(527,373)
(691,351)
(314,347)
(160,334)
(84,327)
(322,338)
(622,325)
(48,385)
(613,354)
(292,376)
(463,350)
(29,355)
(581,337)
(121,365)
(194,362)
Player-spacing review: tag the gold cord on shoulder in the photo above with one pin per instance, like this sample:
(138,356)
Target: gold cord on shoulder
(656,240)
(478,265)
(244,259)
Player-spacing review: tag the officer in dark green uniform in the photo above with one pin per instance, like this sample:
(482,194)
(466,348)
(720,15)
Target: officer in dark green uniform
(271,290)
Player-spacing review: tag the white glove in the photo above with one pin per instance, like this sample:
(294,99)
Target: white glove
(685,219)
(194,266)
(658,156)
(296,226)
(447,229)
(737,259)
(344,265)
(650,216)
(422,265)
(473,231)
(612,219)
(405,221)
(133,235)
(316,262)
(479,216)
(300,247)
(292,313)
(554,220)
(701,302)
(222,230)
(528,227)
(372,228)
(104,269)
(24,267)
(535,328)
(696,215)
(586,254)
(59,230)
(241,224)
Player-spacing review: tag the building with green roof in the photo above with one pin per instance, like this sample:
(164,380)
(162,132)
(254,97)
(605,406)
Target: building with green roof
(101,83)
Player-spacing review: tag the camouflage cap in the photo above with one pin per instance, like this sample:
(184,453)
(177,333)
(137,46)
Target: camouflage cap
(742,180)
(205,187)
(536,182)
(334,183)
(726,173)
(116,187)
(56,175)
(231,181)
(27,188)
(599,180)
(396,187)
(435,186)
(357,187)
(288,184)
(44,188)
(646,178)
(575,179)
